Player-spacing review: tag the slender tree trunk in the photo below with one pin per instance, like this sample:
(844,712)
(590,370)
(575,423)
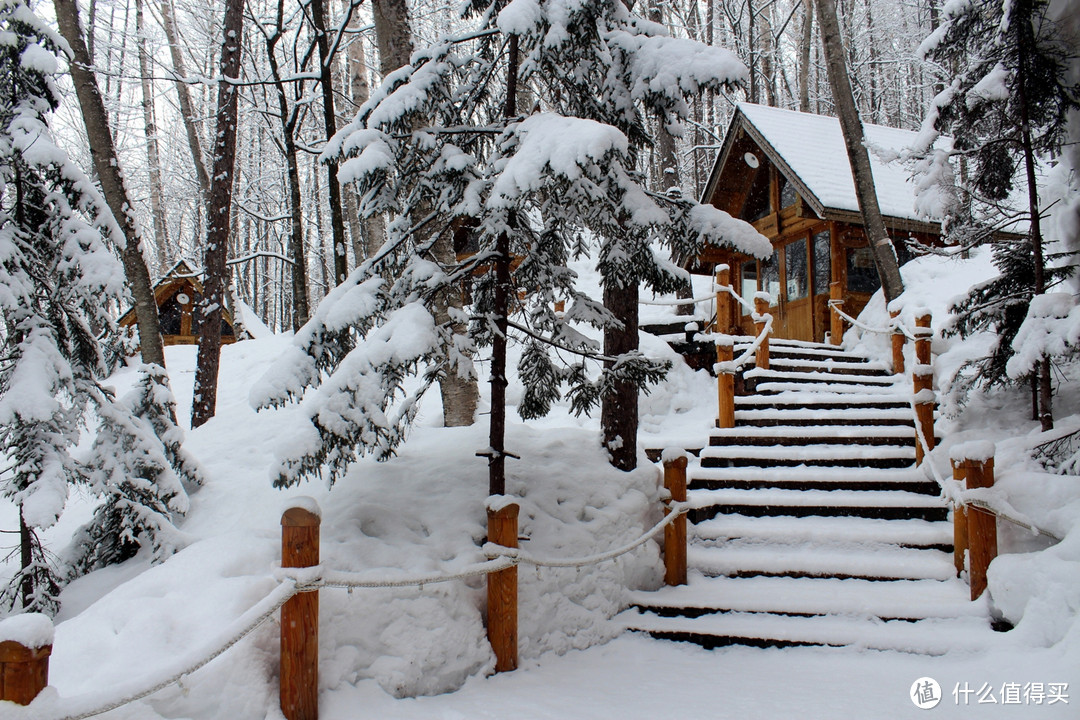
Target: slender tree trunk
(619,410)
(881,247)
(326,81)
(459,395)
(153,157)
(374,226)
(26,558)
(107,167)
(1025,40)
(218,219)
(804,55)
(184,96)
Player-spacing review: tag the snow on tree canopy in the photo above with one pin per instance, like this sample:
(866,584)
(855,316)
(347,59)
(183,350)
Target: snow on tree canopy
(550,144)
(1051,328)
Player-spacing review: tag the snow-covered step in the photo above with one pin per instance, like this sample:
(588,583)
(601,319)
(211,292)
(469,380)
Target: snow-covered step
(887,504)
(926,637)
(823,454)
(801,416)
(794,479)
(888,600)
(819,399)
(790,530)
(790,435)
(841,560)
(755,377)
(835,366)
(839,386)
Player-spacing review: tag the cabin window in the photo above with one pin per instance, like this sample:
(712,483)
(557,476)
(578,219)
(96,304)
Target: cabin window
(862,276)
(798,271)
(748,286)
(770,277)
(822,263)
(758,204)
(788,194)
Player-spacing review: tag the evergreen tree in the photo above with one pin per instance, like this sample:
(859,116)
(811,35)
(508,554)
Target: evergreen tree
(140,468)
(1007,105)
(558,181)
(58,279)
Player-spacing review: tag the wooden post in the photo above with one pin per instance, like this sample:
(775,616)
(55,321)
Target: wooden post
(502,587)
(923,380)
(761,309)
(25,646)
(723,299)
(897,345)
(675,533)
(960,525)
(725,382)
(300,615)
(836,323)
(981,525)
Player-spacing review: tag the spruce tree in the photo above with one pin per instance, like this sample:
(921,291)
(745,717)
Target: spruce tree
(1007,106)
(58,280)
(540,186)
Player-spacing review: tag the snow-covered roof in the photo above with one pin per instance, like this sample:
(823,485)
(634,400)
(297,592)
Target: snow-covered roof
(809,150)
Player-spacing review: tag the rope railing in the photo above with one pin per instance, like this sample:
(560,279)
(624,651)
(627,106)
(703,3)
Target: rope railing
(732,366)
(293,581)
(894,324)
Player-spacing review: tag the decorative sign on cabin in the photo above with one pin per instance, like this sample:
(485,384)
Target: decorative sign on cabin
(787,174)
(178,295)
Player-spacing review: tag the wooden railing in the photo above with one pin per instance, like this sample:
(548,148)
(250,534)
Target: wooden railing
(726,363)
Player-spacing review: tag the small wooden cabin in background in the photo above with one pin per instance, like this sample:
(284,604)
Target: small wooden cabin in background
(177,294)
(787,173)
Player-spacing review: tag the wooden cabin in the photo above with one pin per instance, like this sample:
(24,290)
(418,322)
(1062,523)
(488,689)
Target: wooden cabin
(787,173)
(177,294)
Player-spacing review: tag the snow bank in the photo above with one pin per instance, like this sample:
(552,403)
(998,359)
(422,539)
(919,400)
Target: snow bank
(31,630)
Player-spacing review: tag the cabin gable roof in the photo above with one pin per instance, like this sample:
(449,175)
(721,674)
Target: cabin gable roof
(809,151)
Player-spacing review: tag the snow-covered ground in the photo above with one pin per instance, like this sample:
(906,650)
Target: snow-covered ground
(423,511)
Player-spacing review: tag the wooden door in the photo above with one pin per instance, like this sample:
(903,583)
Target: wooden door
(796,302)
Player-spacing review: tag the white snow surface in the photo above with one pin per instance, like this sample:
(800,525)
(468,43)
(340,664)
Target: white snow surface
(423,511)
(31,630)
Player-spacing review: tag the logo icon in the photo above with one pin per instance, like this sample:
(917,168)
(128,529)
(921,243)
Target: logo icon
(925,693)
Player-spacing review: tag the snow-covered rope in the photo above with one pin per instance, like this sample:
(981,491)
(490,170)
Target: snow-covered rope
(677,509)
(679,301)
(91,704)
(954,493)
(298,580)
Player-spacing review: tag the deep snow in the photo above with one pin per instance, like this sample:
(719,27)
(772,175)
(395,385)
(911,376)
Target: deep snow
(423,511)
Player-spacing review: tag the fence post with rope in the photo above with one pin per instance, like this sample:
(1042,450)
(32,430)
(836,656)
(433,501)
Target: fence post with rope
(960,524)
(725,381)
(836,323)
(502,585)
(761,310)
(675,534)
(300,525)
(723,299)
(923,380)
(25,645)
(898,338)
(977,462)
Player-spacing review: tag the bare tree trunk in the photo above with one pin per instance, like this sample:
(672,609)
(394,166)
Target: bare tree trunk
(326,81)
(1025,40)
(880,246)
(804,55)
(374,226)
(184,95)
(218,214)
(107,167)
(768,54)
(153,157)
(619,410)
(459,395)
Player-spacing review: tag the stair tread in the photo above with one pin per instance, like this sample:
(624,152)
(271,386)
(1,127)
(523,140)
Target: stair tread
(823,560)
(810,473)
(800,396)
(813,498)
(840,387)
(799,413)
(818,377)
(835,529)
(818,596)
(829,362)
(823,451)
(933,636)
(816,431)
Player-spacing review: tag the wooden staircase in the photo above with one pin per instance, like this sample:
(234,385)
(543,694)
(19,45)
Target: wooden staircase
(811,525)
